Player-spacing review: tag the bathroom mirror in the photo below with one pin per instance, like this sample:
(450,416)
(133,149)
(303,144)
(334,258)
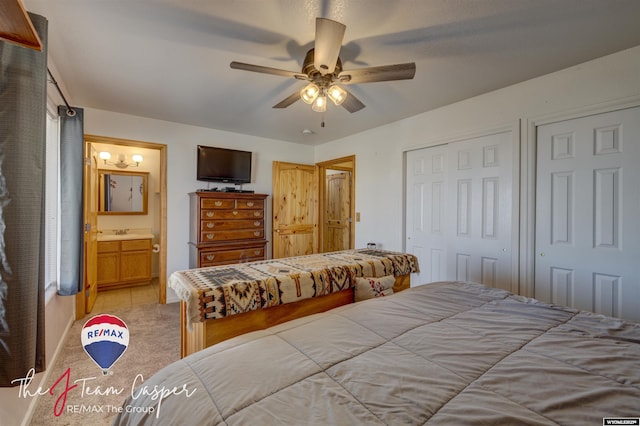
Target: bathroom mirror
(122,192)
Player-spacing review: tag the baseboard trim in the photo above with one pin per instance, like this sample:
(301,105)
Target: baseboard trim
(26,421)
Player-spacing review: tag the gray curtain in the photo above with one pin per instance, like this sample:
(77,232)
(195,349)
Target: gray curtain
(71,198)
(23,96)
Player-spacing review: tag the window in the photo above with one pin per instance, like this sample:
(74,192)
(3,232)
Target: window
(51,243)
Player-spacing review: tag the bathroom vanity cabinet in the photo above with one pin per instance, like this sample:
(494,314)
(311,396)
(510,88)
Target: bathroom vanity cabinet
(124,263)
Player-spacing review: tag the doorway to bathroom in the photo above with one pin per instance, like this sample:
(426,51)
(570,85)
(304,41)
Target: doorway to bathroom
(133,234)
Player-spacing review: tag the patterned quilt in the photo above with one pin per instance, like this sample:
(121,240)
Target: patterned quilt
(220,291)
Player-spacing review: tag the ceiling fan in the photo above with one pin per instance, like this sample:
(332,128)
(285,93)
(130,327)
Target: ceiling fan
(322,68)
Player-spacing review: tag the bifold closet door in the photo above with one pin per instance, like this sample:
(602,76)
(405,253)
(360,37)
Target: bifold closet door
(459,211)
(588,213)
(426,222)
(480,202)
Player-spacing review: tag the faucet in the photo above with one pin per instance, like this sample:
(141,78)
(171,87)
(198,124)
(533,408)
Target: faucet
(122,231)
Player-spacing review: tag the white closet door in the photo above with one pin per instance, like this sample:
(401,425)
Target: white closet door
(588,213)
(459,211)
(426,212)
(480,211)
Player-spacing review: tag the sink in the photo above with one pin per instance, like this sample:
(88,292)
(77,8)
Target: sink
(113,237)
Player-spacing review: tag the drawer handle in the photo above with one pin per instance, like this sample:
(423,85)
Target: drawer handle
(209,214)
(256,214)
(218,203)
(210,236)
(250,203)
(256,233)
(235,212)
(211,256)
(210,225)
(256,223)
(256,252)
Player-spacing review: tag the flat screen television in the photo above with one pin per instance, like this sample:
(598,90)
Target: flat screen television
(223,165)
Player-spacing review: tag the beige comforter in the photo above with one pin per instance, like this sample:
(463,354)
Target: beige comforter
(444,353)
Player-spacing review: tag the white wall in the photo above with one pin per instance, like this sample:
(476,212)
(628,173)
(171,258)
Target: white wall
(614,79)
(181,141)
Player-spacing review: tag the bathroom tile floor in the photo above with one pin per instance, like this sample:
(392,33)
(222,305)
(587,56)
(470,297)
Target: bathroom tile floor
(126,297)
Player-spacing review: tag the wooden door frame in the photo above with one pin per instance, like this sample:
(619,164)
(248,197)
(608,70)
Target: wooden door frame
(347,164)
(162,285)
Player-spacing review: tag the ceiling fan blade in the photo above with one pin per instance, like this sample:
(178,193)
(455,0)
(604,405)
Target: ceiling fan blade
(329,36)
(352,104)
(288,101)
(266,70)
(384,73)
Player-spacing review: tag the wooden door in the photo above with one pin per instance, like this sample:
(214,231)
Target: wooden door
(337,212)
(91,226)
(295,209)
(587,209)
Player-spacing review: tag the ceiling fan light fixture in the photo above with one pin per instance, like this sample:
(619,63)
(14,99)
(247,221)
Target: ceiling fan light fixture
(310,93)
(337,94)
(320,104)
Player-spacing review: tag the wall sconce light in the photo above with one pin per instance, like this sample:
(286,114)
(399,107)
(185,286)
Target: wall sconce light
(122,160)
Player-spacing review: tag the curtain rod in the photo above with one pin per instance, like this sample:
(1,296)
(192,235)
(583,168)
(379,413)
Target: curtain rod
(70,111)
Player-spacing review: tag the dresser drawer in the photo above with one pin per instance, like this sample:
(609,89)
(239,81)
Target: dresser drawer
(240,234)
(214,203)
(221,225)
(232,214)
(250,204)
(213,258)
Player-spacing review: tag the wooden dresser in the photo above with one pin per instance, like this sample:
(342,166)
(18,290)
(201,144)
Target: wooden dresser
(226,227)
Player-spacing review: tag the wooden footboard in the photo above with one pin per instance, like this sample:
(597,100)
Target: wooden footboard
(210,332)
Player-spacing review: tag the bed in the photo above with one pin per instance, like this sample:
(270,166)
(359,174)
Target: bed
(446,353)
(220,302)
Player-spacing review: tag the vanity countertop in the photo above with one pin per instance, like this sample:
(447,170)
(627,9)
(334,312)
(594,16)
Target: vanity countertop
(114,237)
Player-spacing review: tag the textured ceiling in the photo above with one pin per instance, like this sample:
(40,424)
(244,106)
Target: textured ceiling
(169,59)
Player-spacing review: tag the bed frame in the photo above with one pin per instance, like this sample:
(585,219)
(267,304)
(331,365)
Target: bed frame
(212,331)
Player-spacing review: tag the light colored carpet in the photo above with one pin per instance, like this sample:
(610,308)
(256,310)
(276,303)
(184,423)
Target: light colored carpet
(154,342)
